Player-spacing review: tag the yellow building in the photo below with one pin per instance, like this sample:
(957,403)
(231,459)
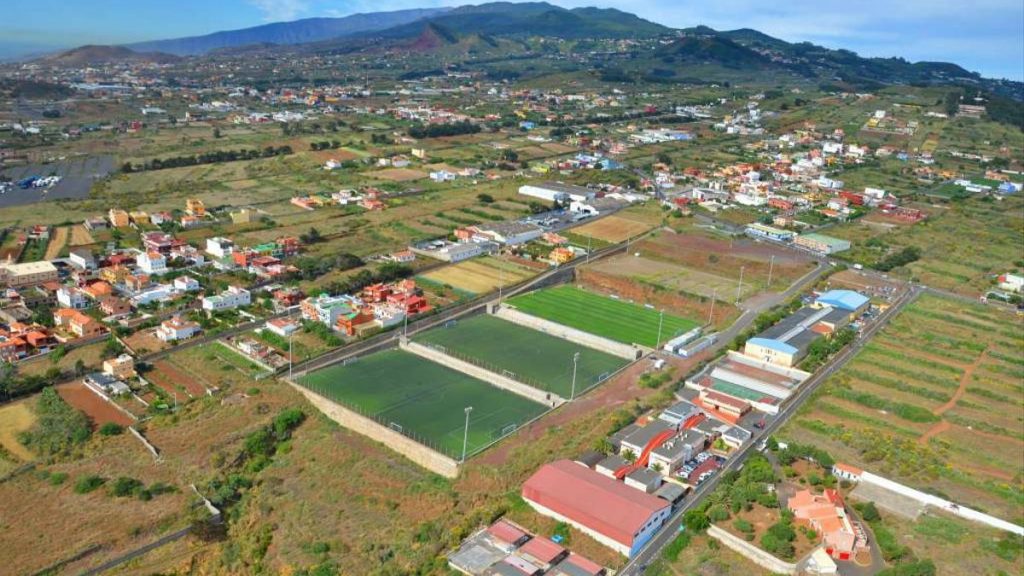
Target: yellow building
(27,274)
(244,216)
(118,218)
(195,207)
(122,367)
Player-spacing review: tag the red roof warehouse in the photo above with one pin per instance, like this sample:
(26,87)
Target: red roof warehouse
(616,515)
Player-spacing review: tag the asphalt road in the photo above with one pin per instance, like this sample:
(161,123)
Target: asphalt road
(654,547)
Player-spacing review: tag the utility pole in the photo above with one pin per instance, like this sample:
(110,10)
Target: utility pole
(739,287)
(290,355)
(465,435)
(771,265)
(575,361)
(501,283)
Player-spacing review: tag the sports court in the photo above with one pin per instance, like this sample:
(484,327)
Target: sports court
(531,357)
(423,400)
(601,315)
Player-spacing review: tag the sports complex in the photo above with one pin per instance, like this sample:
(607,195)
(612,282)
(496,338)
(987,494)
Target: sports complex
(603,316)
(559,343)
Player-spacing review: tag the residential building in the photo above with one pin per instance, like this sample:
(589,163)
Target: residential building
(626,519)
(1011,282)
(122,367)
(679,413)
(233,297)
(195,207)
(826,514)
(72,297)
(82,259)
(77,323)
(326,309)
(644,479)
(219,247)
(114,306)
(284,327)
(152,263)
(186,284)
(176,329)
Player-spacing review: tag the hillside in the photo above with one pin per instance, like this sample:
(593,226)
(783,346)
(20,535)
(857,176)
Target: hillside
(92,54)
(297,32)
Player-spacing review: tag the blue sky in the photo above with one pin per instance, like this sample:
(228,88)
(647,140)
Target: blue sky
(982,35)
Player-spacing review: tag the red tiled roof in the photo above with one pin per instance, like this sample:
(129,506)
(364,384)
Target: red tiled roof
(585,564)
(506,532)
(542,549)
(572,490)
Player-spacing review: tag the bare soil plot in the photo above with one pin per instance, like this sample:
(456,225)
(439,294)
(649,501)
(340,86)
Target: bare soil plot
(399,174)
(612,229)
(16,418)
(169,377)
(146,341)
(668,275)
(57,242)
(101,411)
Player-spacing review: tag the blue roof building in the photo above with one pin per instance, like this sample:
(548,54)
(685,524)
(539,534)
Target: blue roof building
(844,300)
(775,345)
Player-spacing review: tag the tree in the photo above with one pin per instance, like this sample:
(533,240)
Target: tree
(696,520)
(485,198)
(216,133)
(80,367)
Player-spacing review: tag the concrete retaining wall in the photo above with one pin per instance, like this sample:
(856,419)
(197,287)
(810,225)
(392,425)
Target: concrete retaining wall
(751,552)
(566,333)
(941,503)
(405,446)
(496,380)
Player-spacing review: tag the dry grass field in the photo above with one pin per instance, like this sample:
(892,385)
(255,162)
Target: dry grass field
(479,275)
(58,240)
(613,229)
(15,418)
(399,174)
(936,400)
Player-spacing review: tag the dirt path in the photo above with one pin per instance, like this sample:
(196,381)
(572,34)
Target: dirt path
(942,425)
(57,242)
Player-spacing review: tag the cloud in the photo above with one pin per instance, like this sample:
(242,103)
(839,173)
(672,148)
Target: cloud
(280,10)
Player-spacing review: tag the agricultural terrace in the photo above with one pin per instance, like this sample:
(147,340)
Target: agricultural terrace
(714,263)
(957,254)
(603,316)
(423,400)
(934,401)
(479,275)
(535,358)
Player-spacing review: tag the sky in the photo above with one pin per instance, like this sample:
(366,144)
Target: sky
(986,36)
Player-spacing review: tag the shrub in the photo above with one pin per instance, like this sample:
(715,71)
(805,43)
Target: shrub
(58,478)
(743,526)
(87,484)
(60,427)
(111,429)
(125,486)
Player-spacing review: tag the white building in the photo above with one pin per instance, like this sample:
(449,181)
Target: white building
(219,247)
(177,329)
(152,263)
(229,299)
(71,297)
(186,284)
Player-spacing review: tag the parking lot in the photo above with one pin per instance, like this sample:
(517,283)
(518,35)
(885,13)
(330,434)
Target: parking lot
(77,178)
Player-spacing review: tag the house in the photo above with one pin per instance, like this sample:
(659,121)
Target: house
(846,472)
(507,535)
(644,479)
(1011,283)
(610,465)
(676,451)
(186,284)
(152,263)
(82,259)
(372,204)
(72,297)
(195,207)
(114,306)
(403,256)
(325,309)
(122,367)
(176,329)
(826,514)
(97,290)
(77,323)
(679,413)
(638,441)
(229,299)
(158,218)
(97,223)
(219,247)
(161,242)
(118,218)
(27,274)
(283,327)
(561,255)
(354,321)
(106,384)
(626,519)
(542,552)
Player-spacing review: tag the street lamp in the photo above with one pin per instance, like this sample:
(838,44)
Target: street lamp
(465,435)
(575,361)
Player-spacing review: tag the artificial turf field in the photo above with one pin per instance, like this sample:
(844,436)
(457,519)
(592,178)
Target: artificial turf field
(535,358)
(601,315)
(425,399)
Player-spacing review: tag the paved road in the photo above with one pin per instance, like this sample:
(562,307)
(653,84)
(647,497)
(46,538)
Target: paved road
(654,547)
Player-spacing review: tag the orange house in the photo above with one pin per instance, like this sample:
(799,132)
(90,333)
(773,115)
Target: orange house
(826,514)
(350,323)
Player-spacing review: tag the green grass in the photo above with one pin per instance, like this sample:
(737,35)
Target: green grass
(601,315)
(535,358)
(424,398)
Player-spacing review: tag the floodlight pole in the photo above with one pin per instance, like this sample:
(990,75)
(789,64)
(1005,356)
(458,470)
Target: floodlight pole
(501,283)
(711,314)
(661,321)
(771,265)
(575,362)
(589,242)
(739,287)
(465,435)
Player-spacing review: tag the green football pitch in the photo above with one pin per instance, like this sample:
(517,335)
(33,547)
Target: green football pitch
(423,400)
(532,357)
(601,315)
